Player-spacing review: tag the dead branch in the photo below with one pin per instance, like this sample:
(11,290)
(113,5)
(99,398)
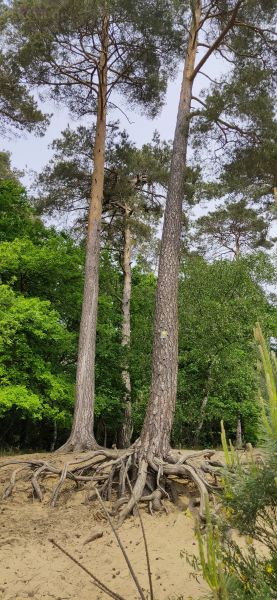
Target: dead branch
(137,584)
(97,582)
(93,537)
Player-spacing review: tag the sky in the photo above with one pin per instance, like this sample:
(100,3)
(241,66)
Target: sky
(30,153)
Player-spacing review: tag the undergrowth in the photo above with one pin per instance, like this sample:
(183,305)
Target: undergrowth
(246,570)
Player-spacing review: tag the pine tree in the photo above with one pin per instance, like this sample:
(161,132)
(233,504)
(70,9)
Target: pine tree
(232,230)
(18,108)
(79,53)
(230,26)
(134,184)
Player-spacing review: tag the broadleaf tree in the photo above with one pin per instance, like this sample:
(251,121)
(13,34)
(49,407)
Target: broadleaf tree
(219,304)
(41,276)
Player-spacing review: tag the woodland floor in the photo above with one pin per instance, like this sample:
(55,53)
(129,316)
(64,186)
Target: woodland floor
(31,567)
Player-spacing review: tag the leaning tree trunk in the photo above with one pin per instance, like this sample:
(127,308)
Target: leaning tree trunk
(82,435)
(155,438)
(152,450)
(154,443)
(126,430)
(237,247)
(55,436)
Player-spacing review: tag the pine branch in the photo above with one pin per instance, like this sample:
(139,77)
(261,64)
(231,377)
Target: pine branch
(218,41)
(220,121)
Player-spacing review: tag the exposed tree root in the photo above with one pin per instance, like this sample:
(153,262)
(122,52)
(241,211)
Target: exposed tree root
(73,445)
(122,477)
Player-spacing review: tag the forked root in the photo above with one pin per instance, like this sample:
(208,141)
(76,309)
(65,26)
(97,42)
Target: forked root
(137,491)
(121,477)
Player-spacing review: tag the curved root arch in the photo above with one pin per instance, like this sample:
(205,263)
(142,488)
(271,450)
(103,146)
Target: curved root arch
(124,478)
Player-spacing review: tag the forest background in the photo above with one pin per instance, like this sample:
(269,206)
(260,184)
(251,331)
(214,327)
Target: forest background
(226,282)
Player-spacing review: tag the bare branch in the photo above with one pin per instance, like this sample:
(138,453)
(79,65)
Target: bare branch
(131,570)
(120,109)
(101,586)
(218,41)
(255,28)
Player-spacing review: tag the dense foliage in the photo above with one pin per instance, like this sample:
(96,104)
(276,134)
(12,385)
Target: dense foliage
(57,50)
(219,305)
(233,569)
(40,303)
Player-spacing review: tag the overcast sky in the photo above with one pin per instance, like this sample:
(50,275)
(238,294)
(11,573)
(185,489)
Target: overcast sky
(30,153)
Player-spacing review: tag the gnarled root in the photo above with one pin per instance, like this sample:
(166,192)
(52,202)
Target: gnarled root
(123,477)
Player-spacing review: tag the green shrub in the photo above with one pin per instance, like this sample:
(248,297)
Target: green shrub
(246,571)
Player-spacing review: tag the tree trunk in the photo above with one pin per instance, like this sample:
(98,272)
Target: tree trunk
(82,435)
(239,434)
(202,417)
(204,404)
(126,431)
(155,437)
(237,249)
(55,436)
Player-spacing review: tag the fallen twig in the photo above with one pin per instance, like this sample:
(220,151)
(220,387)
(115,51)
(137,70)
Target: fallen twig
(92,537)
(138,586)
(145,546)
(97,582)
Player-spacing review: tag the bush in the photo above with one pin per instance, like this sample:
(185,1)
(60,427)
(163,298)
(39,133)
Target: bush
(249,503)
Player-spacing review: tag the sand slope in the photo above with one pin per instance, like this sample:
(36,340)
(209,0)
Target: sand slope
(31,567)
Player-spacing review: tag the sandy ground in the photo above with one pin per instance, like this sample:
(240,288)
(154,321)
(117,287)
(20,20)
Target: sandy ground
(31,567)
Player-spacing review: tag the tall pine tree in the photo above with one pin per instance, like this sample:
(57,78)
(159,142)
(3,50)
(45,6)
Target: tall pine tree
(79,53)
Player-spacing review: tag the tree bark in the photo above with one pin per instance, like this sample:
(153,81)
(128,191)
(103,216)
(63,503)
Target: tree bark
(202,417)
(155,437)
(239,434)
(82,435)
(126,430)
(237,249)
(55,436)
